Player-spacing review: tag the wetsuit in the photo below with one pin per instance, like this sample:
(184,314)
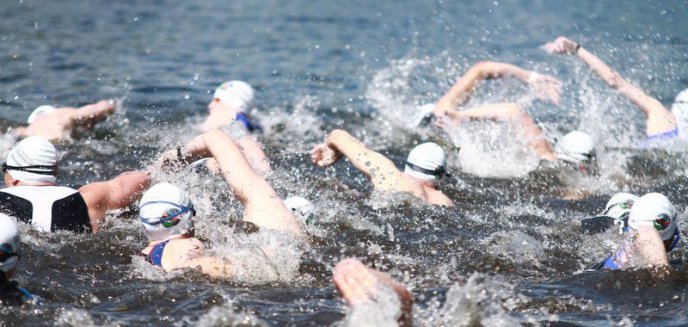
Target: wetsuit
(155,254)
(251,126)
(47,208)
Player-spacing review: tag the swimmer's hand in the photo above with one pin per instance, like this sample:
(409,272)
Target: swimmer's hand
(324,155)
(546,87)
(170,160)
(561,45)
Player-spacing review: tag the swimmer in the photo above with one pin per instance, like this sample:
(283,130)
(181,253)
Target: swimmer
(359,284)
(661,123)
(228,112)
(425,166)
(653,234)
(10,292)
(166,212)
(616,212)
(32,196)
(57,124)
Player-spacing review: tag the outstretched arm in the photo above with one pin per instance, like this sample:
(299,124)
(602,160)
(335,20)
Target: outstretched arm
(659,119)
(462,89)
(339,142)
(262,205)
(255,155)
(90,114)
(117,193)
(514,113)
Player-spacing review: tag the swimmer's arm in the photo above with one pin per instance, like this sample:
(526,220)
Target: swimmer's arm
(263,206)
(93,113)
(116,193)
(514,113)
(255,155)
(373,164)
(659,119)
(464,87)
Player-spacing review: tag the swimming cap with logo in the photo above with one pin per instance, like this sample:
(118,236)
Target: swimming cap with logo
(166,211)
(33,160)
(656,210)
(237,94)
(44,109)
(619,205)
(9,244)
(427,162)
(301,208)
(576,147)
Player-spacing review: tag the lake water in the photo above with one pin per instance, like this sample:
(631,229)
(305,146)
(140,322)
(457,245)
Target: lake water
(511,252)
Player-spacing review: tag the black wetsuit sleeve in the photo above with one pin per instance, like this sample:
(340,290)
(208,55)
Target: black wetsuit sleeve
(71,213)
(17,207)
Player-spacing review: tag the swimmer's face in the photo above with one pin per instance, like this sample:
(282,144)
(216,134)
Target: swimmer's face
(218,106)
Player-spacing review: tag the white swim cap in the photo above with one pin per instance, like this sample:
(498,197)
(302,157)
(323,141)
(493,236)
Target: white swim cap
(237,94)
(33,160)
(680,110)
(44,109)
(619,205)
(301,209)
(427,162)
(576,147)
(165,211)
(9,244)
(656,210)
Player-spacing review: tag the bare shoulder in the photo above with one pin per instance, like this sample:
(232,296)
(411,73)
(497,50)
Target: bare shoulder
(179,252)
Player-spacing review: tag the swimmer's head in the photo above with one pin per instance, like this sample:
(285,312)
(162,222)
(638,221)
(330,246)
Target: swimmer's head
(236,94)
(301,208)
(680,109)
(9,245)
(33,160)
(577,148)
(166,211)
(42,110)
(654,209)
(427,162)
(619,206)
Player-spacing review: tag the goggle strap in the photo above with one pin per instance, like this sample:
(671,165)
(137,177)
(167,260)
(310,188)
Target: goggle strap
(33,169)
(437,172)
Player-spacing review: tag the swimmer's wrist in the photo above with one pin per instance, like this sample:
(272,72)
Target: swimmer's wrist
(578,46)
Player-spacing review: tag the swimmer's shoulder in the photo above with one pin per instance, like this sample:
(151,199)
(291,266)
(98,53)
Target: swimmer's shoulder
(179,251)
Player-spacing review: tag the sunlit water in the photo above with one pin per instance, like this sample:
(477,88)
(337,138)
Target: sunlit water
(511,252)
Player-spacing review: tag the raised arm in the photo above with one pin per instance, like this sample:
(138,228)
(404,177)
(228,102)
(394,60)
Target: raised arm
(462,89)
(117,193)
(93,113)
(514,113)
(255,155)
(659,119)
(374,165)
(262,205)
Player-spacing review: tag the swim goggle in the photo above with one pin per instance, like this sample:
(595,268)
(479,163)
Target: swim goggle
(438,172)
(171,217)
(37,169)
(662,222)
